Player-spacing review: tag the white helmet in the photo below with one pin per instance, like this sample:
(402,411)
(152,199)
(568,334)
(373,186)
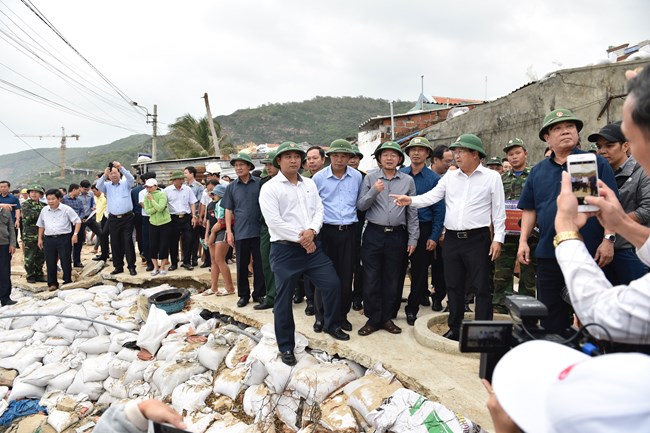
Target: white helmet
(213,168)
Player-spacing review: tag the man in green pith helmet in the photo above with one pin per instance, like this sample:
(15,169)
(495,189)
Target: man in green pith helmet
(34,258)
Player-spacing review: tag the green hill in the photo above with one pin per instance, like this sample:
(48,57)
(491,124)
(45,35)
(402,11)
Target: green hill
(316,121)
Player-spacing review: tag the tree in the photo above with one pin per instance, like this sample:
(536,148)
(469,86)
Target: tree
(190,138)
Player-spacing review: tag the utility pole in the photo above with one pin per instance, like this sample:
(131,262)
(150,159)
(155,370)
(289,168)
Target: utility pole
(62,148)
(154,123)
(215,139)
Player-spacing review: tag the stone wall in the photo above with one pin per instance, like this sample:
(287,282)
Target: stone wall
(584,91)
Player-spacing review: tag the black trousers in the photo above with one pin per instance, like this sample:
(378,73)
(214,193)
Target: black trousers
(197,233)
(121,232)
(5,273)
(159,241)
(466,260)
(383,255)
(181,229)
(438,275)
(104,239)
(57,248)
(245,248)
(420,261)
(550,283)
(338,245)
(146,240)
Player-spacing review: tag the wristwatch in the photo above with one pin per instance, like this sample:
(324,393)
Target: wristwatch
(610,237)
(566,236)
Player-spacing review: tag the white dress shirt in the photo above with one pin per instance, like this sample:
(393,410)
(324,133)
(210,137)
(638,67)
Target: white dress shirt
(289,209)
(471,202)
(623,310)
(57,221)
(179,201)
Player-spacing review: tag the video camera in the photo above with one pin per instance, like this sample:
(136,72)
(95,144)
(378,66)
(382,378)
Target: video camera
(493,338)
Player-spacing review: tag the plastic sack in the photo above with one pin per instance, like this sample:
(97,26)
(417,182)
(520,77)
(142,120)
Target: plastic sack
(154,330)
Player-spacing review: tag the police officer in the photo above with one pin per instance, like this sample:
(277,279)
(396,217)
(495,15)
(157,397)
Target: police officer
(513,184)
(34,258)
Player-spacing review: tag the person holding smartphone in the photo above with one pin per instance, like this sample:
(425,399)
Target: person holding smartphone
(560,130)
(134,417)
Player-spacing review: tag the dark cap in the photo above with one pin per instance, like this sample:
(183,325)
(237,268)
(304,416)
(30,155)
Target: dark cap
(495,160)
(611,132)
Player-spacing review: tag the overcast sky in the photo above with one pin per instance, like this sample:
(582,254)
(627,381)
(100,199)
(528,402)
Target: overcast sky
(247,53)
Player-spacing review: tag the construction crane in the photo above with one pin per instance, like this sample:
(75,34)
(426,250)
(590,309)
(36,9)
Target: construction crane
(63,141)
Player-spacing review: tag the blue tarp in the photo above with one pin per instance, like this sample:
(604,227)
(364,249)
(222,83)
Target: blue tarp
(18,408)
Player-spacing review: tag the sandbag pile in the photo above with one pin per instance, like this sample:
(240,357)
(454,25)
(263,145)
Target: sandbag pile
(221,377)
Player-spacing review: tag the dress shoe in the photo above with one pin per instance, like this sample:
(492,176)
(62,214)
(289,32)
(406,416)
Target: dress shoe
(242,302)
(426,302)
(318,326)
(117,271)
(8,302)
(366,330)
(78,265)
(172,268)
(451,335)
(446,310)
(288,358)
(31,280)
(467,309)
(205,265)
(99,259)
(357,305)
(391,327)
(339,334)
(437,305)
(195,263)
(410,318)
(297,299)
(262,306)
(309,309)
(132,271)
(188,267)
(346,325)
(149,268)
(41,279)
(67,282)
(259,299)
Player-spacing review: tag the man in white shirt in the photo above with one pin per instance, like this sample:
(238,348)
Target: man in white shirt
(474,200)
(181,203)
(624,310)
(293,211)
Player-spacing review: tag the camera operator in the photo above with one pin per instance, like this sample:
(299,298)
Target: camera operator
(623,310)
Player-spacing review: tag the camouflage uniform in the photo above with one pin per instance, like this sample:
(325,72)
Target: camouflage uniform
(505,264)
(34,258)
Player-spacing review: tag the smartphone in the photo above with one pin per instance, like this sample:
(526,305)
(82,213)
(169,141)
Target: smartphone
(584,179)
(155,427)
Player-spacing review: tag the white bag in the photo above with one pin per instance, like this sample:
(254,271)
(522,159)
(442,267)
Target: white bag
(157,327)
(190,396)
(96,345)
(230,382)
(44,374)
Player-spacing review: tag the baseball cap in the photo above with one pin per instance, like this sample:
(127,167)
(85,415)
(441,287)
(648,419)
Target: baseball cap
(546,387)
(219,190)
(611,132)
(151,182)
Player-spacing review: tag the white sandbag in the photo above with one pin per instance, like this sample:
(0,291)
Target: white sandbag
(359,370)
(316,382)
(169,350)
(106,289)
(127,354)
(239,351)
(181,318)
(96,369)
(55,354)
(117,367)
(10,348)
(280,373)
(172,374)
(91,332)
(256,373)
(230,382)
(268,335)
(45,324)
(20,390)
(154,330)
(124,302)
(119,338)
(94,310)
(190,396)
(79,297)
(74,359)
(61,420)
(194,317)
(96,345)
(76,324)
(130,293)
(92,389)
(23,321)
(135,371)
(63,381)
(51,398)
(4,390)
(147,374)
(286,408)
(137,389)
(207,326)
(20,334)
(107,398)
(258,402)
(153,290)
(212,353)
(64,294)
(56,341)
(409,412)
(37,339)
(24,358)
(101,329)
(127,311)
(336,415)
(115,387)
(44,374)
(228,424)
(123,323)
(53,306)
(198,422)
(61,331)
(368,392)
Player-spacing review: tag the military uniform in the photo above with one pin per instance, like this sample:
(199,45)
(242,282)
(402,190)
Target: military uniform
(505,264)
(34,258)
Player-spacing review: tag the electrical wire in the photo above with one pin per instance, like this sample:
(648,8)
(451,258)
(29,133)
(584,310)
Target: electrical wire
(28,145)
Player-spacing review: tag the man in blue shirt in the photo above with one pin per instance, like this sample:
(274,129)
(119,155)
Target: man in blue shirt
(12,204)
(538,201)
(431,220)
(338,187)
(116,183)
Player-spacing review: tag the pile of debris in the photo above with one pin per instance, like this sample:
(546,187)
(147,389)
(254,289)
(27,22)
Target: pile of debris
(66,359)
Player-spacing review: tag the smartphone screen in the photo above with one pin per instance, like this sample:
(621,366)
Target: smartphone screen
(154,427)
(584,179)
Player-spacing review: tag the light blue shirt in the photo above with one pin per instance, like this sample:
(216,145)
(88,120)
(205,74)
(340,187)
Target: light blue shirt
(339,196)
(118,196)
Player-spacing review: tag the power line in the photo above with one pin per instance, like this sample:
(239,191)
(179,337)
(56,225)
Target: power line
(28,145)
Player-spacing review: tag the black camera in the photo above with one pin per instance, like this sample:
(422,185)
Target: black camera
(110,165)
(493,338)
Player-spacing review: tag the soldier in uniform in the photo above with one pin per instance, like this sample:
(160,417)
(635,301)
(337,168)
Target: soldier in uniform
(513,183)
(34,258)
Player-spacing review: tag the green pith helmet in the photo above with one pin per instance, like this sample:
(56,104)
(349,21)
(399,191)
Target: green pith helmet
(471,142)
(514,143)
(557,116)
(177,175)
(341,146)
(495,160)
(592,148)
(419,142)
(36,188)
(268,159)
(287,146)
(243,157)
(357,152)
(390,145)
